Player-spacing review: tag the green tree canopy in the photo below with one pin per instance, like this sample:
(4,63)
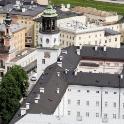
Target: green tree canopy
(21,77)
(12,87)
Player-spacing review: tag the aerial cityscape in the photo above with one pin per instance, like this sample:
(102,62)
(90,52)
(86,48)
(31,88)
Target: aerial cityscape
(61,61)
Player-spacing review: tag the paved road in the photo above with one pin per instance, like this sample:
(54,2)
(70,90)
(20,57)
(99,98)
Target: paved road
(31,83)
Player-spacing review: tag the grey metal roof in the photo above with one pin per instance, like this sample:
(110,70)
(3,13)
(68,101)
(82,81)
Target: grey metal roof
(50,81)
(61,14)
(30,11)
(109,32)
(111,54)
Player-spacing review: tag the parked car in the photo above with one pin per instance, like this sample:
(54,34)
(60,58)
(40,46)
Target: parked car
(34,77)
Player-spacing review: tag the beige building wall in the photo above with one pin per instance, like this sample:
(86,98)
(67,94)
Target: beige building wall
(36,32)
(19,39)
(91,38)
(42,2)
(28,22)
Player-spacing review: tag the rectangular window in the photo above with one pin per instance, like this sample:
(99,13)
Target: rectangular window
(114,116)
(79,38)
(87,103)
(78,91)
(78,114)
(78,102)
(122,116)
(69,101)
(105,115)
(97,103)
(106,104)
(123,105)
(69,112)
(87,114)
(114,104)
(97,114)
(97,91)
(88,91)
(106,92)
(43,61)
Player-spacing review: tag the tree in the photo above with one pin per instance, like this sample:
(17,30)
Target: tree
(21,77)
(9,97)
(12,87)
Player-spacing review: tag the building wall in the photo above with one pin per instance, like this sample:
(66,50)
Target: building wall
(45,58)
(36,32)
(104,67)
(42,2)
(19,39)
(49,40)
(92,38)
(22,61)
(83,103)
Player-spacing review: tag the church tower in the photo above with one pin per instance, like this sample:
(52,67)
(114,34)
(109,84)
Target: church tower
(7,49)
(49,33)
(48,41)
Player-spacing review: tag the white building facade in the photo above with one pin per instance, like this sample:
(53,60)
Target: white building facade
(78,31)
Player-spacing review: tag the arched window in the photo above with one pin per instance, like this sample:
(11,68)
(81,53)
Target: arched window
(47,40)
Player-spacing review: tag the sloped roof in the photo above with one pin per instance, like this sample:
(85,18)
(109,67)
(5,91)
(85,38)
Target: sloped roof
(50,80)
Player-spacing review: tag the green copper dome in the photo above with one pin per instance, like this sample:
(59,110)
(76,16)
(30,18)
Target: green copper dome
(49,12)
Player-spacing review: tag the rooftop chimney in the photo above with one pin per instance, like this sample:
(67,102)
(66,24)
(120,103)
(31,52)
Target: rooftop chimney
(64,51)
(60,57)
(78,51)
(59,63)
(104,48)
(57,91)
(41,90)
(23,111)
(36,100)
(27,105)
(121,76)
(58,74)
(23,9)
(96,47)
(66,71)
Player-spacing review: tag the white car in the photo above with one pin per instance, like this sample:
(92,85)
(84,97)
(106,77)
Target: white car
(34,77)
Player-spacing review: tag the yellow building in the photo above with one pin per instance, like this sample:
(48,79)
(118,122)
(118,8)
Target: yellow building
(18,32)
(25,15)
